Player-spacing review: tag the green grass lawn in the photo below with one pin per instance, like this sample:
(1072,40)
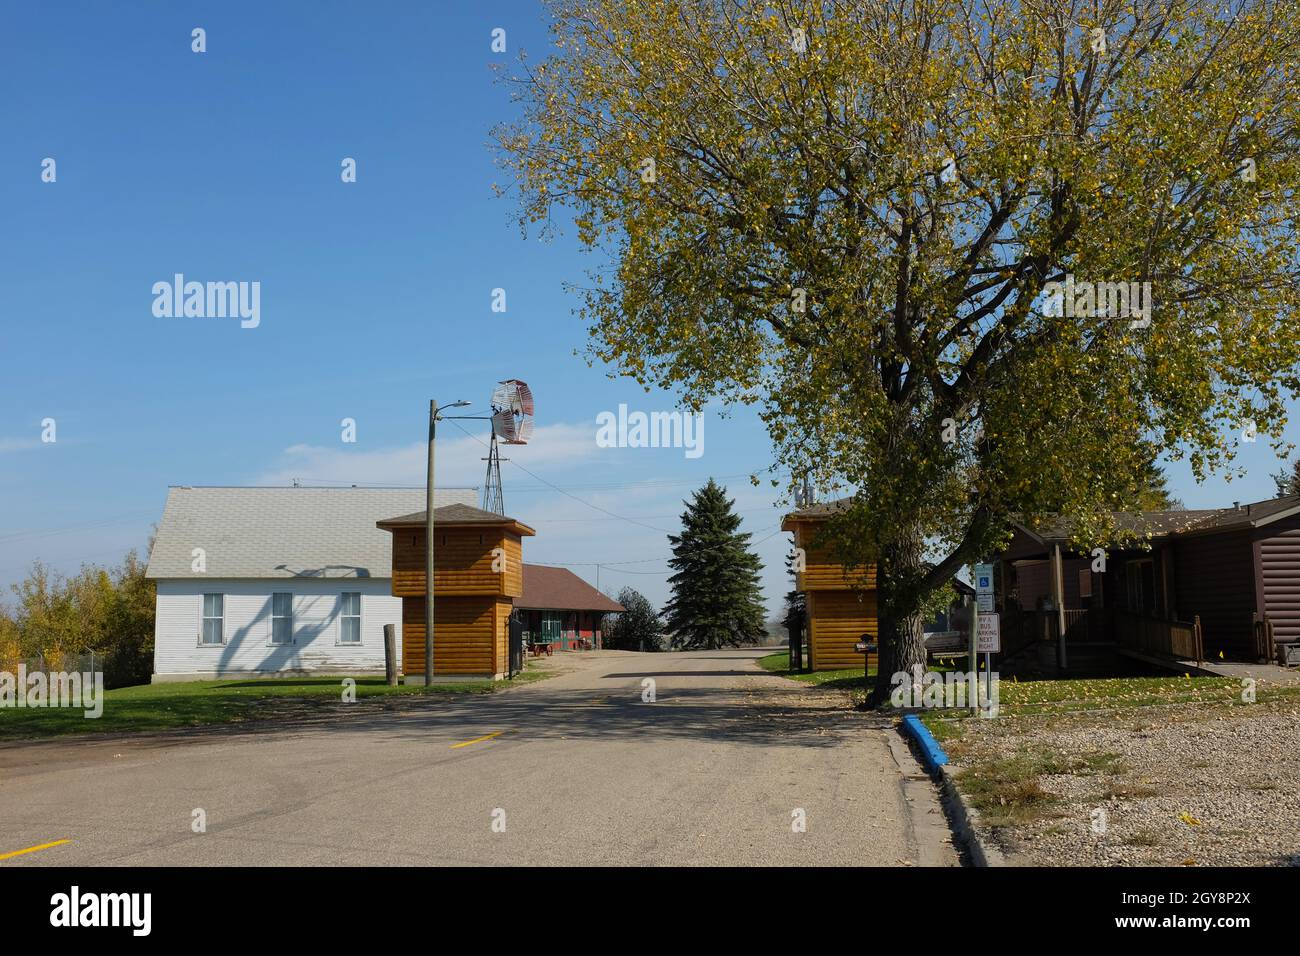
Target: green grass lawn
(1053,697)
(152,707)
(848,679)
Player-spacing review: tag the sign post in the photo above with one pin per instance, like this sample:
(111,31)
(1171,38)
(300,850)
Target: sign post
(982,612)
(989,642)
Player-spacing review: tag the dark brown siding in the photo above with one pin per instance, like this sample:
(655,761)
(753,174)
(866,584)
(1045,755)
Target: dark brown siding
(1279,545)
(1214,577)
(1034,582)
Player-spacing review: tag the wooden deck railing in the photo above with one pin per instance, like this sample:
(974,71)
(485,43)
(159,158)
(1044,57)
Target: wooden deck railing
(1178,640)
(1265,648)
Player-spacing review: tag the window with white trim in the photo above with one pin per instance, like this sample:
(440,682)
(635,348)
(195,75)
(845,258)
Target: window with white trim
(350,617)
(281,618)
(214,619)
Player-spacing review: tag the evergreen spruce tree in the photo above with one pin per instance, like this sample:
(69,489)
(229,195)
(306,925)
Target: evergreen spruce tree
(1153,490)
(716,599)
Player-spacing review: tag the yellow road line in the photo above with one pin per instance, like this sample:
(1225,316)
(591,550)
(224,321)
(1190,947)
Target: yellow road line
(467,742)
(33,849)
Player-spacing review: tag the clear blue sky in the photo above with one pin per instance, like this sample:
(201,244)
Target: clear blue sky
(375,295)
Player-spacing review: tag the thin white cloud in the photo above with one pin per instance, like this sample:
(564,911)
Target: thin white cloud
(17,444)
(459,459)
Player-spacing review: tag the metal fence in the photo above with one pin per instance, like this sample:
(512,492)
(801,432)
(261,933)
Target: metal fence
(53,662)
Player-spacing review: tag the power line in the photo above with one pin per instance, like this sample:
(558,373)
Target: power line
(514,489)
(616,565)
(102,523)
(742,511)
(565,493)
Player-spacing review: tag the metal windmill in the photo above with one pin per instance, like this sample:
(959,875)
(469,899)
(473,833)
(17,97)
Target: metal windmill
(512,423)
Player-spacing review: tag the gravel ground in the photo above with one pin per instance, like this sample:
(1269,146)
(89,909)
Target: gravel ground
(1179,785)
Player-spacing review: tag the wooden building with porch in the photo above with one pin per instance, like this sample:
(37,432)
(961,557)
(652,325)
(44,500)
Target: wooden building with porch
(1212,584)
(561,612)
(478,572)
(841,602)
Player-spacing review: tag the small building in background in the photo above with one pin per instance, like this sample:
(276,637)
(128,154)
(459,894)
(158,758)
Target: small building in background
(955,618)
(560,611)
(478,571)
(277,582)
(1216,584)
(841,602)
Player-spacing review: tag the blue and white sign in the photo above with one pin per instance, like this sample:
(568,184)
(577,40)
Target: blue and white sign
(984,587)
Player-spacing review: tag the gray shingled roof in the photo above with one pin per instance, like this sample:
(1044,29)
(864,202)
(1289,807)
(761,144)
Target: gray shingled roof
(1145,524)
(1162,524)
(449,514)
(823,508)
(284,532)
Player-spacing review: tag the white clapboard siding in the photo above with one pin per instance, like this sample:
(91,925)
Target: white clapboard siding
(248,648)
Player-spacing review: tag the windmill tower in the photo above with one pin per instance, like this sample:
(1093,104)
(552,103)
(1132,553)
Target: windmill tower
(512,423)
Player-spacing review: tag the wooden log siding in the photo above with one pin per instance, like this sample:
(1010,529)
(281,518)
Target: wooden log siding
(463,562)
(822,573)
(841,603)
(1279,556)
(470,637)
(837,621)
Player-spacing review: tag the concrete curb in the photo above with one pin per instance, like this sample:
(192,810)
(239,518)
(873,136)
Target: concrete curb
(931,753)
(965,823)
(961,815)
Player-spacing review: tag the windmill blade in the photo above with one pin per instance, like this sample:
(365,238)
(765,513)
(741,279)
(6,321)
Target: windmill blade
(503,425)
(524,394)
(512,411)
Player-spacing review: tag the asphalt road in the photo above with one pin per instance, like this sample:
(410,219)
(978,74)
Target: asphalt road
(580,771)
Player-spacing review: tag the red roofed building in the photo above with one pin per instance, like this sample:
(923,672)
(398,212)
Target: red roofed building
(560,609)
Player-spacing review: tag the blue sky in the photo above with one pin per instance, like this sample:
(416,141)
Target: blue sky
(375,295)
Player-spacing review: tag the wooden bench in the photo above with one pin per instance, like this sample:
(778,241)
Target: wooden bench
(947,644)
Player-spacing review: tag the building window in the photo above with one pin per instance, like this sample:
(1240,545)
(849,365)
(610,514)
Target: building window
(281,618)
(214,619)
(350,618)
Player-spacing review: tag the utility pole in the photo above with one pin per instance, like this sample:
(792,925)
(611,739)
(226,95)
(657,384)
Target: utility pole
(428,543)
(428,551)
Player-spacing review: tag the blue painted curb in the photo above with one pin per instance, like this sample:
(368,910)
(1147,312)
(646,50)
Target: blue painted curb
(931,753)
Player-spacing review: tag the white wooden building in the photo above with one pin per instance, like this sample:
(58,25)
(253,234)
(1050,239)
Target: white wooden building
(277,581)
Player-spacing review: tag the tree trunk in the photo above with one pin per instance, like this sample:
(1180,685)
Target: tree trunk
(902,638)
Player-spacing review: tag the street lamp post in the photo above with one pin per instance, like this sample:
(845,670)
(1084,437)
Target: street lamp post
(434,409)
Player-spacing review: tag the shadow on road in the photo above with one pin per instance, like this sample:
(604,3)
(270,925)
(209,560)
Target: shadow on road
(638,674)
(705,714)
(794,719)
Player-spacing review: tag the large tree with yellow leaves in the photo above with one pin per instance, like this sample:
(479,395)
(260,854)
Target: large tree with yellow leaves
(900,230)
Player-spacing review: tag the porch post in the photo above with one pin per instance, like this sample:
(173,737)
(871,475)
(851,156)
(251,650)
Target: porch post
(1058,594)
